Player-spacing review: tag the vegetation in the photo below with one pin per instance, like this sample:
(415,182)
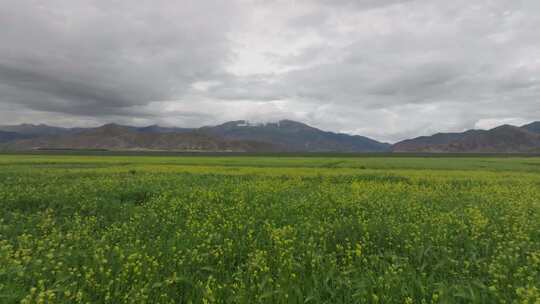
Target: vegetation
(149,229)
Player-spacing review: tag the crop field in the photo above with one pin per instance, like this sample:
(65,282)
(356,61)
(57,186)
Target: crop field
(173,229)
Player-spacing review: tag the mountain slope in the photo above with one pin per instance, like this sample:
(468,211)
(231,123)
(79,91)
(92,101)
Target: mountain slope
(283,136)
(36,130)
(160,129)
(501,139)
(532,127)
(242,136)
(289,135)
(425,142)
(116,137)
(11,136)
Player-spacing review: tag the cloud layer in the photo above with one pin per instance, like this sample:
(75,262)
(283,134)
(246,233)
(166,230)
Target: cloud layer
(386,69)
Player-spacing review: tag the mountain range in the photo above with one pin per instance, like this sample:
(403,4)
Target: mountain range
(235,136)
(243,136)
(502,139)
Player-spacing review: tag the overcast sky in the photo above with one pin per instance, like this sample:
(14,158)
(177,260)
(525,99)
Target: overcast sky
(388,69)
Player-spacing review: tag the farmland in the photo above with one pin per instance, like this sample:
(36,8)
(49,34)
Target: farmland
(262,229)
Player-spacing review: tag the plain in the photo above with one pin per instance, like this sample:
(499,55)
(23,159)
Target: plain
(263,229)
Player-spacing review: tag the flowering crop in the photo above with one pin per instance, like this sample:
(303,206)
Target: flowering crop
(83,229)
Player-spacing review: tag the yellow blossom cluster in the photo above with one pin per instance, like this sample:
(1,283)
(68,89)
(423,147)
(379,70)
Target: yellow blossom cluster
(151,229)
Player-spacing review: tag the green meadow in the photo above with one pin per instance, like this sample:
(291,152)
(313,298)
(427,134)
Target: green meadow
(264,229)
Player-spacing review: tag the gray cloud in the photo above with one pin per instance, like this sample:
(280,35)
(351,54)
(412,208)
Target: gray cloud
(387,69)
(90,57)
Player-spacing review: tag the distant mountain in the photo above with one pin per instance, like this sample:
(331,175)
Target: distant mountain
(116,137)
(502,139)
(290,135)
(243,136)
(426,142)
(532,127)
(36,130)
(31,130)
(285,136)
(11,136)
(159,129)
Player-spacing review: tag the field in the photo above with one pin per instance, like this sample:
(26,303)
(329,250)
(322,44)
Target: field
(179,229)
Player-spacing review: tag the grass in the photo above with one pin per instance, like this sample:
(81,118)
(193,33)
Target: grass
(216,229)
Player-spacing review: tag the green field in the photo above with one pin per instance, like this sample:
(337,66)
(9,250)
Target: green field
(179,229)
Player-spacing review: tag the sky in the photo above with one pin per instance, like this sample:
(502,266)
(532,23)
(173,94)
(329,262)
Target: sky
(387,69)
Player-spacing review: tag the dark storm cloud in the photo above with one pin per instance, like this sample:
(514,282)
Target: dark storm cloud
(389,69)
(88,57)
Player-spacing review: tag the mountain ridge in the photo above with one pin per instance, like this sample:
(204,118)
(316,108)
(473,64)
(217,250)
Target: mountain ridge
(7,136)
(532,127)
(117,137)
(501,139)
(296,136)
(235,136)
(245,136)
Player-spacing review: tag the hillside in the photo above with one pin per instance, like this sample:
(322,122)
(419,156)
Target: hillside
(502,139)
(37,130)
(243,136)
(238,136)
(532,127)
(11,136)
(115,137)
(295,136)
